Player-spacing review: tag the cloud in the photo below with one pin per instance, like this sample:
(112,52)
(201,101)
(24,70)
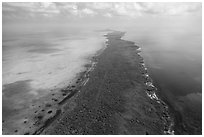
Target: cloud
(100,5)
(108,15)
(66,10)
(127,9)
(26,10)
(88,11)
(170,8)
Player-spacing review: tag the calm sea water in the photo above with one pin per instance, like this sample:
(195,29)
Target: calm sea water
(172,49)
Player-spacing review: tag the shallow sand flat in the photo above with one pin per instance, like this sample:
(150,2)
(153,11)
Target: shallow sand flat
(113,98)
(33,79)
(39,64)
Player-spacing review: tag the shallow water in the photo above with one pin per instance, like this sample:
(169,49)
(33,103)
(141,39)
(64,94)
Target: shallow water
(37,63)
(44,59)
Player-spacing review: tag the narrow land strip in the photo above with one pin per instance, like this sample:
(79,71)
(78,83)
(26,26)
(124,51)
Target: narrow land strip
(114,100)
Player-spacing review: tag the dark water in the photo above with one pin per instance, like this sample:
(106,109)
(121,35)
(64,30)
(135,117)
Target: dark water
(172,49)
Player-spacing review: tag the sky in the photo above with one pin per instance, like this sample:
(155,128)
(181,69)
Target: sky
(34,16)
(56,12)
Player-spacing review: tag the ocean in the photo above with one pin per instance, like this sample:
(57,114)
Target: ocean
(172,50)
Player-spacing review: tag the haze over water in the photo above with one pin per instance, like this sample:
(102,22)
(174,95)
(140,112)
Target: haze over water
(44,55)
(38,63)
(169,34)
(172,49)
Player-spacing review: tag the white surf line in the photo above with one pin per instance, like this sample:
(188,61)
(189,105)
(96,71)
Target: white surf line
(149,84)
(88,71)
(85,82)
(93,63)
(92,67)
(170,132)
(102,49)
(139,54)
(143,65)
(153,96)
(146,75)
(139,49)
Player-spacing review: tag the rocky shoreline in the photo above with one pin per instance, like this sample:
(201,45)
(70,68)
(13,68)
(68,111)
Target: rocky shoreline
(78,113)
(151,93)
(115,95)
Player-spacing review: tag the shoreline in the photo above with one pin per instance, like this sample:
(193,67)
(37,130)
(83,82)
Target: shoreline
(74,91)
(152,94)
(149,92)
(50,107)
(149,82)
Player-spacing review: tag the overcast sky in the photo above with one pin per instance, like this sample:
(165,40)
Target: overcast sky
(53,11)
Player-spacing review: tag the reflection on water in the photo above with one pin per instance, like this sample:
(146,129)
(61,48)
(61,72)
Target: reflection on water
(31,56)
(36,65)
(172,49)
